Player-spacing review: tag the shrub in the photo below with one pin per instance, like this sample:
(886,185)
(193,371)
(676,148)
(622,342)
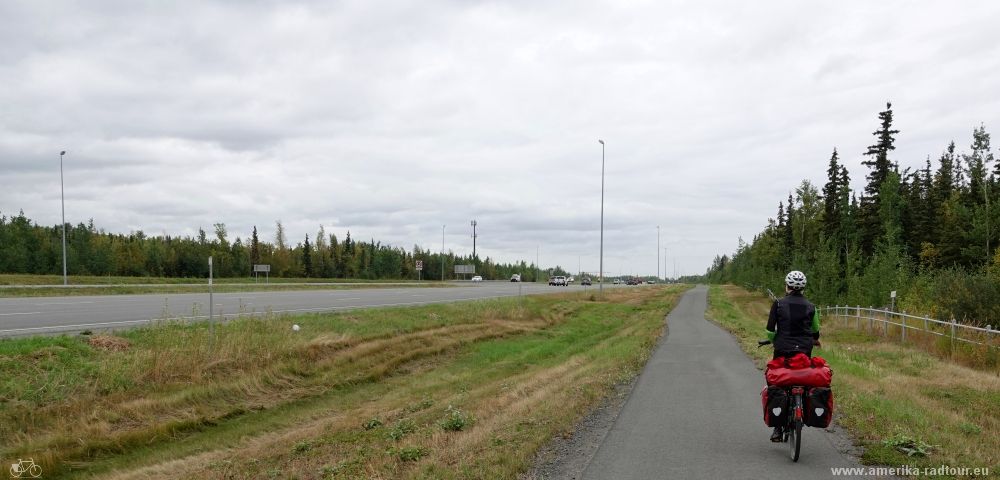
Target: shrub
(401,429)
(454,420)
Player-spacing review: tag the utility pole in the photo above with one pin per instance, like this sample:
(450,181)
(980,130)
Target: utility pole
(658,254)
(474,241)
(442,252)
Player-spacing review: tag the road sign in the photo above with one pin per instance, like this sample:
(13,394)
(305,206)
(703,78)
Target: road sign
(465,269)
(892,294)
(420,264)
(262,268)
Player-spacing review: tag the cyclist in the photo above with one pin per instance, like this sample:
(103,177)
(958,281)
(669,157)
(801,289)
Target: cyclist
(793,325)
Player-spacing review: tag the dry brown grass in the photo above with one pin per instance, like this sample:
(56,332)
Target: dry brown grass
(186,386)
(109,343)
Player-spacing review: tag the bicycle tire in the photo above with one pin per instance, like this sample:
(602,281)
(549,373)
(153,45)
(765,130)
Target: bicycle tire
(35,471)
(795,440)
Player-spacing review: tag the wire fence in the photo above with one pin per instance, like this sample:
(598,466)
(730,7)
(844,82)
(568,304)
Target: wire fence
(913,328)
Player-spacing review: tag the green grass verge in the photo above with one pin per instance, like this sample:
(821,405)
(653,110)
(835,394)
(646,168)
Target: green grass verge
(466,390)
(904,406)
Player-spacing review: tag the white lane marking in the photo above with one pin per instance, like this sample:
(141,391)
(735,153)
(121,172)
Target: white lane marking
(32,329)
(61,303)
(19,313)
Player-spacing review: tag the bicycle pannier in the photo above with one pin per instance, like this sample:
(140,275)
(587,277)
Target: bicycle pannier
(775,403)
(819,407)
(806,377)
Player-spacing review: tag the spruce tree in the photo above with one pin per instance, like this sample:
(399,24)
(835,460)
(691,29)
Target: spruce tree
(880,165)
(254,248)
(307,258)
(832,198)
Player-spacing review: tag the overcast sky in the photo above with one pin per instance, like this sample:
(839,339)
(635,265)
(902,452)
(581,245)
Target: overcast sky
(391,119)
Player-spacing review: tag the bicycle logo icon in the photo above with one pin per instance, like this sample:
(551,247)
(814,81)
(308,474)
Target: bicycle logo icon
(25,469)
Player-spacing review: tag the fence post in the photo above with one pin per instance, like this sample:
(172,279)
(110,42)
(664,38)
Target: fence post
(871,319)
(953,337)
(903,322)
(927,327)
(858,312)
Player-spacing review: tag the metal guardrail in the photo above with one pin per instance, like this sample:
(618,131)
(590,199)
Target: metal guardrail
(880,320)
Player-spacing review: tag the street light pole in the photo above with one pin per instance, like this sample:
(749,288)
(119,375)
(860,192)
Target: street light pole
(601,273)
(62,200)
(658,253)
(442,252)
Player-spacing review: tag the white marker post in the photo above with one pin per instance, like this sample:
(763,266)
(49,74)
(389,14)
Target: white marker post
(211,304)
(892,296)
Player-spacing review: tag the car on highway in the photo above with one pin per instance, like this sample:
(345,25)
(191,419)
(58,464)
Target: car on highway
(617,281)
(585,281)
(477,278)
(558,280)
(515,277)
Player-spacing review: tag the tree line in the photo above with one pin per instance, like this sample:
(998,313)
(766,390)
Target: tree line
(929,233)
(28,248)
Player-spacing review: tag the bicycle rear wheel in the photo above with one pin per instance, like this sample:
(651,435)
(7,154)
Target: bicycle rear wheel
(795,440)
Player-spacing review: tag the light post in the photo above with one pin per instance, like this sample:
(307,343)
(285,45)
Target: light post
(658,253)
(601,273)
(442,252)
(62,200)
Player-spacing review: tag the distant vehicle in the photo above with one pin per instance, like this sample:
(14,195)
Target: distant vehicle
(515,277)
(558,280)
(617,281)
(570,280)
(650,282)
(585,281)
(477,278)
(633,281)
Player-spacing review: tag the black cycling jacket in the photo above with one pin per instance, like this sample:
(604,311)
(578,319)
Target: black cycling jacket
(794,324)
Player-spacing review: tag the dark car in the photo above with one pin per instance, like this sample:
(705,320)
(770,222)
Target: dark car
(585,281)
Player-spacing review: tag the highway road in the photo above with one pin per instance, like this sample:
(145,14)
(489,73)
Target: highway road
(695,413)
(42,315)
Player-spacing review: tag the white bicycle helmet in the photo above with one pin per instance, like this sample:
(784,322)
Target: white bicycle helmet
(795,280)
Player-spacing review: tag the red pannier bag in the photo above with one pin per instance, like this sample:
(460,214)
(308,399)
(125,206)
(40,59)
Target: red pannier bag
(777,363)
(800,360)
(818,362)
(806,377)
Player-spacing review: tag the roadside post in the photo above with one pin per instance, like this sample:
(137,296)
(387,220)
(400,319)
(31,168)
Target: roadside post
(420,268)
(211,303)
(892,296)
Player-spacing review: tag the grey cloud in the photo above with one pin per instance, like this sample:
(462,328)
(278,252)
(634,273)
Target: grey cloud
(391,119)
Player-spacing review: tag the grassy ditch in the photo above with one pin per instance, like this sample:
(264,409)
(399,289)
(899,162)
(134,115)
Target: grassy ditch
(466,390)
(905,406)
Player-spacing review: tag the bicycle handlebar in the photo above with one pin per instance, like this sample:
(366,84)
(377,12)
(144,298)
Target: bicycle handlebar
(761,343)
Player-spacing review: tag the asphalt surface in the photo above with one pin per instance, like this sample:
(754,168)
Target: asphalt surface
(42,315)
(695,413)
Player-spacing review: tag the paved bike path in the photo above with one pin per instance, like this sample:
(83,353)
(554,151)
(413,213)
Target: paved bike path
(695,413)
